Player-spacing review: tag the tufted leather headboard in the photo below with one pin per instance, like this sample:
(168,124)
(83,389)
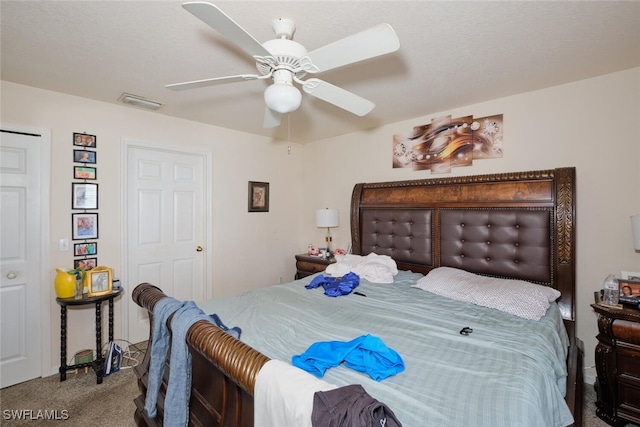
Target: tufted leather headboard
(514,225)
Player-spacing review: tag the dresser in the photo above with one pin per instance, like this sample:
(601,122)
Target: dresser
(618,364)
(306,265)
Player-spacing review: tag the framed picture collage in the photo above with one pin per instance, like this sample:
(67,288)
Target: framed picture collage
(84,202)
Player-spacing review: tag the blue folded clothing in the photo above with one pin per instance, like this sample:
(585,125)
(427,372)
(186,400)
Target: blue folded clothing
(366,353)
(336,286)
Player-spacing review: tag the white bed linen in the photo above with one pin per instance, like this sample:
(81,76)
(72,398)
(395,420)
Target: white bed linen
(373,267)
(508,372)
(283,395)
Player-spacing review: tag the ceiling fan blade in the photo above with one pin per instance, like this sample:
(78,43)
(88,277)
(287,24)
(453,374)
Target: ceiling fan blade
(375,41)
(272,118)
(219,21)
(339,97)
(213,82)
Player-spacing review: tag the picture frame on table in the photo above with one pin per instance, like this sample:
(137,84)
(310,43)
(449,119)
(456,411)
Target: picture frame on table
(84,172)
(84,140)
(84,195)
(85,263)
(84,156)
(630,275)
(99,281)
(629,291)
(258,196)
(84,226)
(85,249)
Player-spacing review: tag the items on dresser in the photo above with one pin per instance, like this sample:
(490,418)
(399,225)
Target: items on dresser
(610,290)
(629,292)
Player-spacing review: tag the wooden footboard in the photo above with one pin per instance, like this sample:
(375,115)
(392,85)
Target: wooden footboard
(224,371)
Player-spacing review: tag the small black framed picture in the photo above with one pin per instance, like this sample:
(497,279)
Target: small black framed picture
(258,196)
(85,263)
(84,172)
(84,140)
(84,226)
(84,156)
(85,249)
(84,196)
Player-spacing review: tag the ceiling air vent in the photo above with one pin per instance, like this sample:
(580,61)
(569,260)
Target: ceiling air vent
(139,101)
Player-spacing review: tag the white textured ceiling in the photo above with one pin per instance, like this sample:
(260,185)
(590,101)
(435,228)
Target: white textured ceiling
(452,53)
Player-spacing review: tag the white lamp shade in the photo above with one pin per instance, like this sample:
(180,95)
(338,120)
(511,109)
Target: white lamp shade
(635,228)
(327,218)
(282,97)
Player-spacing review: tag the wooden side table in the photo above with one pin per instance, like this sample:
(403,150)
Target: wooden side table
(306,265)
(618,364)
(98,363)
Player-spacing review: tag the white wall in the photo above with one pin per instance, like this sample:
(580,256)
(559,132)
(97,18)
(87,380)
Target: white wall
(590,124)
(249,249)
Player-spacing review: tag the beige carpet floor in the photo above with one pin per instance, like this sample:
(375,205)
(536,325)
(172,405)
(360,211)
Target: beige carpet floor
(77,402)
(86,403)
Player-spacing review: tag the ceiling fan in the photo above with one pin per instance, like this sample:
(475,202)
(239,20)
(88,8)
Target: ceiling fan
(285,61)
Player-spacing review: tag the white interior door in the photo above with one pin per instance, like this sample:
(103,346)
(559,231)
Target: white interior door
(165,227)
(21,238)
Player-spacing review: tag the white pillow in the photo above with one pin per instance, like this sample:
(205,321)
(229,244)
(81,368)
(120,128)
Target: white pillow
(517,297)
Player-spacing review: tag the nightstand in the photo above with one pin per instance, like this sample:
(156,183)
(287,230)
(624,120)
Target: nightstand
(306,265)
(618,364)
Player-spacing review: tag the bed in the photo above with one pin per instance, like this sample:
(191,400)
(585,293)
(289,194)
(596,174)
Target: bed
(511,226)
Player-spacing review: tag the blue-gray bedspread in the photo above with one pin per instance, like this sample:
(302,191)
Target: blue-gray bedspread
(508,372)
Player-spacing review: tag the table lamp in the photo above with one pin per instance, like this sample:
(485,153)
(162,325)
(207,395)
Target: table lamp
(327,218)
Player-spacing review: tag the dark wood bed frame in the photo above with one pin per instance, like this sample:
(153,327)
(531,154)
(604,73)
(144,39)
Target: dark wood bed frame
(477,223)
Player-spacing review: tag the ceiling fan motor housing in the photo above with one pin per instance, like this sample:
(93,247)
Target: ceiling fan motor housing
(287,54)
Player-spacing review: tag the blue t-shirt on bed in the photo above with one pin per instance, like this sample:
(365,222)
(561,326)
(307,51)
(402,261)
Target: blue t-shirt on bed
(366,353)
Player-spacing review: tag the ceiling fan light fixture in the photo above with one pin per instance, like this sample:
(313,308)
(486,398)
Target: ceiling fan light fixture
(282,97)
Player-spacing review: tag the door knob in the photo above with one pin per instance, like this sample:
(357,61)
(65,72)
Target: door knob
(11,275)
(198,248)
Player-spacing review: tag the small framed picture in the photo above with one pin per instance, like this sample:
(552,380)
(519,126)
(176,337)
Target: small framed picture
(99,281)
(84,140)
(84,156)
(84,249)
(84,226)
(84,196)
(629,291)
(630,275)
(85,263)
(258,196)
(84,172)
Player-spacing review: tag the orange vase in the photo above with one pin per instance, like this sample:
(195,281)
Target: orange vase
(65,284)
